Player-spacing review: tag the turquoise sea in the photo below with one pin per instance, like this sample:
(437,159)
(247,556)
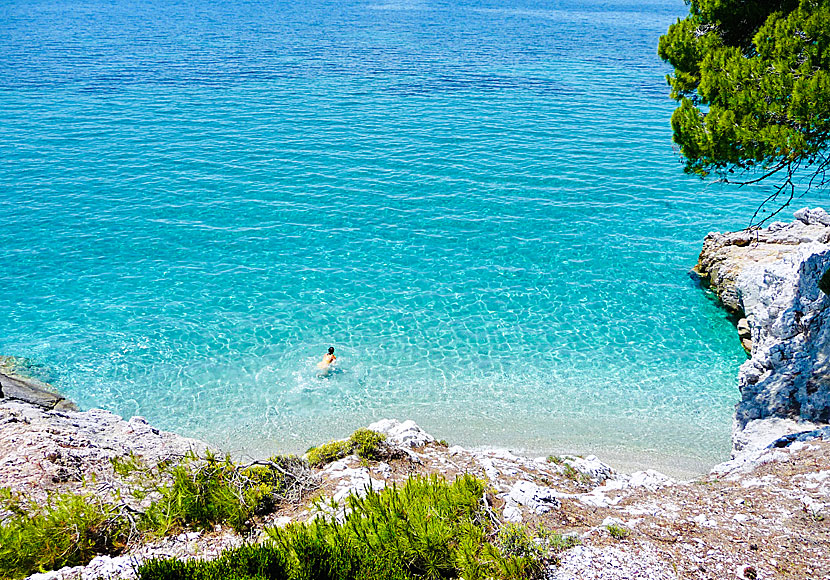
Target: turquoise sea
(475,201)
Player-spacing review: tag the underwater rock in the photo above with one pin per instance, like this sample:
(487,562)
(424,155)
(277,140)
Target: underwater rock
(31,391)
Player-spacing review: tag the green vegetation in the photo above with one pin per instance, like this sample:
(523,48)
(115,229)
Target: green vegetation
(753,81)
(258,562)
(425,529)
(215,491)
(194,492)
(366,444)
(328,452)
(560,542)
(68,530)
(618,532)
(202,492)
(515,540)
(569,471)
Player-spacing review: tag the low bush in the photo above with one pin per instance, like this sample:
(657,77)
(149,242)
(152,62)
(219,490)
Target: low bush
(328,452)
(515,540)
(425,529)
(67,530)
(243,563)
(560,542)
(367,444)
(200,492)
(193,492)
(618,532)
(201,496)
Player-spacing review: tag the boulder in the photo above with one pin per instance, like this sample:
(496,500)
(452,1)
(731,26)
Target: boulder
(406,434)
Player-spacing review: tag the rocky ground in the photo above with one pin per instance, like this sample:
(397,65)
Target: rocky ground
(765,516)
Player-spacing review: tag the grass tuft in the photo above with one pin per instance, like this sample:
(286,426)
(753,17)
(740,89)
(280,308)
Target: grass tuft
(618,532)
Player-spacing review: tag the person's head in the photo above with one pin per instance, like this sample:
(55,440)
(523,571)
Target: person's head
(331,350)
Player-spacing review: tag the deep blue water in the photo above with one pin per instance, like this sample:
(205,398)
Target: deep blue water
(476,202)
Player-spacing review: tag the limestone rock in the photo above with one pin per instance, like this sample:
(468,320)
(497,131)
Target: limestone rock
(42,450)
(771,277)
(19,388)
(539,499)
(590,466)
(406,434)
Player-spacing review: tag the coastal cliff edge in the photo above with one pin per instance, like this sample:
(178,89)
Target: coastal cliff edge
(776,281)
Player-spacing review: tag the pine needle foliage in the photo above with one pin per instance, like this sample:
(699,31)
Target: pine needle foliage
(186,493)
(201,496)
(426,529)
(753,81)
(67,530)
(200,492)
(248,562)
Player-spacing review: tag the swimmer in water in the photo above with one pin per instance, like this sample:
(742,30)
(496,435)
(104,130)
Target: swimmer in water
(328,360)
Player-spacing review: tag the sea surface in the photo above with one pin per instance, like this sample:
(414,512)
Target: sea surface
(475,202)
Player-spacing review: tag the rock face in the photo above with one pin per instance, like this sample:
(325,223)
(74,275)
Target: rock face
(772,278)
(43,450)
(18,388)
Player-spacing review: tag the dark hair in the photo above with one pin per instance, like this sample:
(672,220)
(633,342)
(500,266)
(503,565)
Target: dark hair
(331,350)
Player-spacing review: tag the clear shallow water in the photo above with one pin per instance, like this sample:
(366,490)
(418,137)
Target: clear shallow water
(476,203)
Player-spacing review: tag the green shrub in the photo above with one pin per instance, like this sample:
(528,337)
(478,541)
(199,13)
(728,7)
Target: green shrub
(516,541)
(368,444)
(203,492)
(67,530)
(195,492)
(618,532)
(255,562)
(328,452)
(365,443)
(425,529)
(560,543)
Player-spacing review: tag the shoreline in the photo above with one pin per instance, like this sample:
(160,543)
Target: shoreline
(777,483)
(720,521)
(623,458)
(735,267)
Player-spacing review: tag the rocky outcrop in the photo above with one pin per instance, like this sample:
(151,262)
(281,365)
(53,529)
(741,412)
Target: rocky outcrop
(16,387)
(776,281)
(42,450)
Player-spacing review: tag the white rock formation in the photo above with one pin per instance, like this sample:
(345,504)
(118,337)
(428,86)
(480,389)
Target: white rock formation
(407,434)
(42,449)
(539,499)
(772,278)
